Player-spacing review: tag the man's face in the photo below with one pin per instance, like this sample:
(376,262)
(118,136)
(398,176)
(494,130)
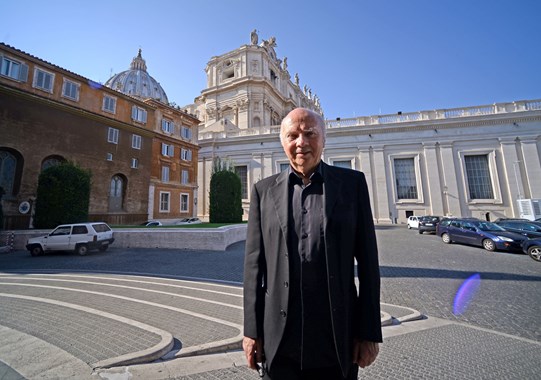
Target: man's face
(303,140)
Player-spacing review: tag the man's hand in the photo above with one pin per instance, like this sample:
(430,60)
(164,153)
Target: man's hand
(253,349)
(365,352)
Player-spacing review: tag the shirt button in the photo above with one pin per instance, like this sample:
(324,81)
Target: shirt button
(304,236)
(283,313)
(304,211)
(286,284)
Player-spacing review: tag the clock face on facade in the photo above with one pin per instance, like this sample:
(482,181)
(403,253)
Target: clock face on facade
(24,207)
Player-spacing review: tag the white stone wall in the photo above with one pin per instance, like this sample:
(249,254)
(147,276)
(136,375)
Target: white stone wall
(510,138)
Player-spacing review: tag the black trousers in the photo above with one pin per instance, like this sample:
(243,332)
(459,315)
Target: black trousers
(284,368)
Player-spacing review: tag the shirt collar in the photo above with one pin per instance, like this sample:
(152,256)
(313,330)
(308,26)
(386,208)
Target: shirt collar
(317,175)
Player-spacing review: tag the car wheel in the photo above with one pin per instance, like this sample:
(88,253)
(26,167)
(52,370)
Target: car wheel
(446,238)
(420,232)
(489,245)
(535,252)
(36,250)
(104,247)
(81,249)
(409,227)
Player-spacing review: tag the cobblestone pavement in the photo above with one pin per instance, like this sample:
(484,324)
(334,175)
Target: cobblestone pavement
(497,336)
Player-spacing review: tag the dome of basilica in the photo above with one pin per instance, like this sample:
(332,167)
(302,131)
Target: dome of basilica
(137,82)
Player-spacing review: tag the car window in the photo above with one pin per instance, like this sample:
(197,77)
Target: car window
(61,231)
(455,223)
(79,230)
(488,226)
(102,227)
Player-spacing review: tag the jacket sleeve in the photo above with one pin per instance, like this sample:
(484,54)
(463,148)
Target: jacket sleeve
(254,271)
(368,302)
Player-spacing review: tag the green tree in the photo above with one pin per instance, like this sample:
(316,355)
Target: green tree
(225,194)
(63,195)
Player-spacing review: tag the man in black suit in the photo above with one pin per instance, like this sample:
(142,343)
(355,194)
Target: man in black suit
(303,315)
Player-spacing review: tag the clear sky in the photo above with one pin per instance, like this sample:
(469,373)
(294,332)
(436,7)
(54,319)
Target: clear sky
(361,57)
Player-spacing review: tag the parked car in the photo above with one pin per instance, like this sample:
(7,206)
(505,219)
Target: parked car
(428,223)
(524,227)
(79,237)
(532,247)
(188,221)
(151,223)
(488,235)
(413,221)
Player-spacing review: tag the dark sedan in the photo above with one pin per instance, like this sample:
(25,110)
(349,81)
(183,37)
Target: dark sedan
(532,247)
(524,227)
(428,223)
(488,235)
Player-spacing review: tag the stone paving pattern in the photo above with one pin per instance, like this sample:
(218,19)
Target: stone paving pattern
(418,271)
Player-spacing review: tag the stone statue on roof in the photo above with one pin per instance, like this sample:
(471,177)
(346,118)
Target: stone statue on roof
(254,39)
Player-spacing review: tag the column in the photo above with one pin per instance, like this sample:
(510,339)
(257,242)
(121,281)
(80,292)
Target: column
(433,180)
(450,186)
(532,166)
(366,167)
(512,169)
(381,192)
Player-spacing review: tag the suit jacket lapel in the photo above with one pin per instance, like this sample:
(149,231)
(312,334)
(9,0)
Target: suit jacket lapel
(332,189)
(279,194)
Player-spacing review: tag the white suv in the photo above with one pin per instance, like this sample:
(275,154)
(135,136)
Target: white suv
(80,237)
(413,221)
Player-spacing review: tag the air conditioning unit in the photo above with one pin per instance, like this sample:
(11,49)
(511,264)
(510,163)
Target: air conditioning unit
(529,208)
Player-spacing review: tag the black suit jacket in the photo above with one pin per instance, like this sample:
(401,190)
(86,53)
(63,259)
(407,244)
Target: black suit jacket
(348,233)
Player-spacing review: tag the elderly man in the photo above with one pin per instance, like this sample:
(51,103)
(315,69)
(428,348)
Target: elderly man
(304,318)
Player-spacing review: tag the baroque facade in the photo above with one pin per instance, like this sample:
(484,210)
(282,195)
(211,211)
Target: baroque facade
(471,162)
(248,90)
(49,114)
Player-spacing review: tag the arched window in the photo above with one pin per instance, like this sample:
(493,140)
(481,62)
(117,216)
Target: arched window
(10,171)
(116,192)
(51,161)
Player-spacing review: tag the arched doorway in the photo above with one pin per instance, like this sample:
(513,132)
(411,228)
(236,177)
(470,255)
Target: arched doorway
(117,191)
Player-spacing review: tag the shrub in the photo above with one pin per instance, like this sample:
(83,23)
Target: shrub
(63,195)
(225,198)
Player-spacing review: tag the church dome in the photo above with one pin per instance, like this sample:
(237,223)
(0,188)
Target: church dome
(137,82)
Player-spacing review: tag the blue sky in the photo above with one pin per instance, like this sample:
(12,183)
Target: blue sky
(360,57)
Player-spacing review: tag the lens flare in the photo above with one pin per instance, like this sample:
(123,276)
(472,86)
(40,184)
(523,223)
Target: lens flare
(465,293)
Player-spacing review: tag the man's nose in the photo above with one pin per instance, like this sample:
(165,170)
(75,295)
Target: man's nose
(301,140)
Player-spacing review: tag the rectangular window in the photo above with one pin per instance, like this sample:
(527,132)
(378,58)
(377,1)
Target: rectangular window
(167,126)
(184,199)
(406,183)
(185,179)
(112,135)
(109,157)
(168,150)
(164,201)
(186,154)
(13,69)
(242,172)
(136,142)
(165,173)
(139,114)
(342,164)
(478,175)
(109,104)
(186,133)
(134,163)
(283,167)
(43,80)
(70,90)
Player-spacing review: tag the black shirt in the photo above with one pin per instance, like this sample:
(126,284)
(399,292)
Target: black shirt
(308,335)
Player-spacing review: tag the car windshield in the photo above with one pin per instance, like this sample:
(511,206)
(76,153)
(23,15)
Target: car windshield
(488,226)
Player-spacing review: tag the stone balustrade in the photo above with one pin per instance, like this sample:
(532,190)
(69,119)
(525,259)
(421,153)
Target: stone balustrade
(451,113)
